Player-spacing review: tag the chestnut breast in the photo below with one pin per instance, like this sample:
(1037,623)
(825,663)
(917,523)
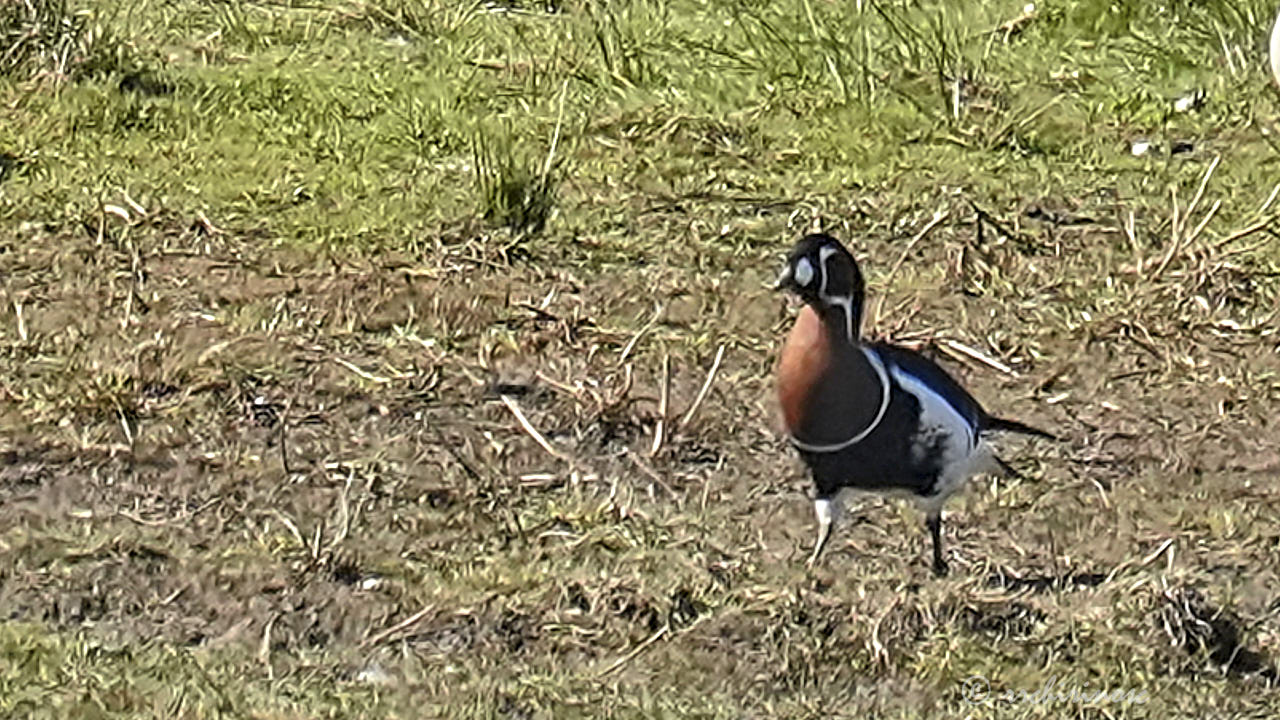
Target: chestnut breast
(827,389)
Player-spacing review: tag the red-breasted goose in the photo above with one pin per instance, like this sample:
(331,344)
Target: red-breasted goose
(872,416)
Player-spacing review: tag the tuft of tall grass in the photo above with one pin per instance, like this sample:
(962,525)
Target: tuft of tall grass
(516,187)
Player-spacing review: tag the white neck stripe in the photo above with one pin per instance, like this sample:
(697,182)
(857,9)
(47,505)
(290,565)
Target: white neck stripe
(843,301)
(884,405)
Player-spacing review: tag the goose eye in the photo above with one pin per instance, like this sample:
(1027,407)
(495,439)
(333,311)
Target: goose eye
(804,272)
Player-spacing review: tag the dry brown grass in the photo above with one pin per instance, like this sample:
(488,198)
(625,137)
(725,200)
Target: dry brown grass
(440,473)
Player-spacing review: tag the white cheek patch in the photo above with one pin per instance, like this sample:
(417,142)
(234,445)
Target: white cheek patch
(804,272)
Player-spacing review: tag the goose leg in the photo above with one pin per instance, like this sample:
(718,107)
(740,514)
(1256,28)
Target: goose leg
(824,510)
(934,522)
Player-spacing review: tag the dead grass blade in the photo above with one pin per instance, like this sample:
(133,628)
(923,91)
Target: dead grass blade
(617,664)
(398,627)
(1243,233)
(706,387)
(631,344)
(664,407)
(264,647)
(531,430)
(1178,239)
(366,375)
(962,351)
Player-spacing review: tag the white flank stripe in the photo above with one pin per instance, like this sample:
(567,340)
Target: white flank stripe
(958,449)
(936,412)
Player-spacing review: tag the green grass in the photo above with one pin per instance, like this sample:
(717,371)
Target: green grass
(372,109)
(267,269)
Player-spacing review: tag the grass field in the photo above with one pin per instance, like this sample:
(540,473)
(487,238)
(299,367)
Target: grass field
(352,354)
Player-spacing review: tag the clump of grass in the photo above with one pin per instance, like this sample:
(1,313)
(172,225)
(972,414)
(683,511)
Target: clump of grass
(1229,33)
(423,19)
(47,38)
(624,37)
(517,188)
(1206,632)
(40,34)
